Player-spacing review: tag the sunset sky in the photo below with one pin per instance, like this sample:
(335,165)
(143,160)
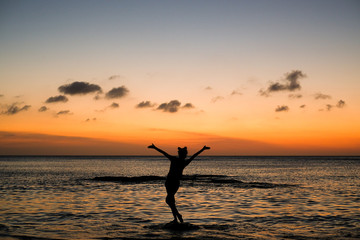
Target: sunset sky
(243,77)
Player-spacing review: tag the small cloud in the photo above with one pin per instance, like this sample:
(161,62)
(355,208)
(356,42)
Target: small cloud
(293,78)
(340,104)
(172,106)
(188,106)
(88,120)
(25,108)
(282,108)
(117,92)
(114,105)
(14,109)
(114,77)
(97,97)
(1,95)
(60,98)
(289,83)
(111,106)
(236,92)
(303,106)
(208,88)
(318,96)
(295,96)
(101,110)
(329,107)
(264,93)
(79,88)
(218,98)
(64,112)
(43,109)
(145,104)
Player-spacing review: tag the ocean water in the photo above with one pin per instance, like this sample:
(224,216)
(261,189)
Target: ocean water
(220,198)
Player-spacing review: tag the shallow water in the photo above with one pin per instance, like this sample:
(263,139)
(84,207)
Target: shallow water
(223,197)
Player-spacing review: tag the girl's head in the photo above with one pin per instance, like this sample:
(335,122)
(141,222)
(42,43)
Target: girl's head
(182,152)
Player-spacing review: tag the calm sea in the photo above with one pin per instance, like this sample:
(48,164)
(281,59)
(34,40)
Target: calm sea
(220,198)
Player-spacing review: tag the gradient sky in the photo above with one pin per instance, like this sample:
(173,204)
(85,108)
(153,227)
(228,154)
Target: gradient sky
(243,77)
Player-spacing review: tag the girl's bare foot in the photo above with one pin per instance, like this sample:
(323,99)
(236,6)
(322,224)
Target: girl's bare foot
(180,218)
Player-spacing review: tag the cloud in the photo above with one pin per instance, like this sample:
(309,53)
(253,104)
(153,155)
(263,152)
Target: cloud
(303,106)
(289,83)
(188,105)
(97,97)
(208,88)
(117,92)
(145,104)
(172,106)
(329,107)
(60,98)
(114,105)
(217,98)
(340,104)
(114,77)
(14,109)
(111,106)
(295,96)
(321,96)
(236,92)
(264,93)
(80,88)
(282,108)
(1,95)
(88,120)
(43,109)
(64,112)
(293,79)
(25,108)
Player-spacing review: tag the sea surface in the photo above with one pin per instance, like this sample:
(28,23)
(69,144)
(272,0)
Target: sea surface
(84,197)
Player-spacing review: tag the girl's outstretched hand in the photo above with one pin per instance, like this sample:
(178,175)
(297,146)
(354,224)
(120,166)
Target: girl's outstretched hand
(151,146)
(206,148)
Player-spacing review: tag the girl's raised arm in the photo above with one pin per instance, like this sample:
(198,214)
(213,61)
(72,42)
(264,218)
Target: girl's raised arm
(196,154)
(161,151)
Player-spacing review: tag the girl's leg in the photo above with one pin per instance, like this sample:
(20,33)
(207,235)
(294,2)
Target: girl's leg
(171,189)
(170,200)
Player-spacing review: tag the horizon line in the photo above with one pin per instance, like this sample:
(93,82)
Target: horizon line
(129,155)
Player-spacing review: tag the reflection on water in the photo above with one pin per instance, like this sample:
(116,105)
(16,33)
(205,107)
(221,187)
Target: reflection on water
(225,198)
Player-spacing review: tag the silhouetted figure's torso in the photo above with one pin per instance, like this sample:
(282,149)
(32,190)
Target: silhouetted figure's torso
(176,169)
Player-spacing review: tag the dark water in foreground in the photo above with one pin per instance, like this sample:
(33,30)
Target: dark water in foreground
(220,198)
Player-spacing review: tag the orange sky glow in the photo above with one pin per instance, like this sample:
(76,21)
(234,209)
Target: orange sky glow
(112,78)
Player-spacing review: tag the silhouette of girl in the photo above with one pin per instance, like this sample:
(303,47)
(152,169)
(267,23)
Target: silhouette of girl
(173,178)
